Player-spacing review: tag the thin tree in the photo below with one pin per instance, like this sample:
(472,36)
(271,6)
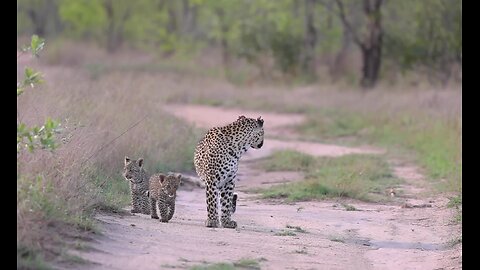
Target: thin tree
(370,43)
(310,41)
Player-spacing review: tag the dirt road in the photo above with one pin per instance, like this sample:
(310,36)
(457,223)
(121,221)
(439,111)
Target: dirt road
(305,235)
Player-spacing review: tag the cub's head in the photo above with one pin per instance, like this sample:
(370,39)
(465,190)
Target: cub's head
(170,183)
(133,169)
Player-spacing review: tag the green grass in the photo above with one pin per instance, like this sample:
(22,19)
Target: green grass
(333,124)
(28,258)
(41,196)
(349,207)
(288,160)
(301,251)
(285,233)
(296,228)
(456,202)
(337,239)
(113,191)
(244,263)
(65,257)
(453,242)
(247,263)
(362,177)
(215,266)
(434,142)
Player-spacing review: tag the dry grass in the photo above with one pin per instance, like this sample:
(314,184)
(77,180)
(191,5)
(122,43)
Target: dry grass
(83,174)
(97,97)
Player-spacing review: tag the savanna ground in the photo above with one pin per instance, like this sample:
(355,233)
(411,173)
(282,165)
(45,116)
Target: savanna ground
(318,195)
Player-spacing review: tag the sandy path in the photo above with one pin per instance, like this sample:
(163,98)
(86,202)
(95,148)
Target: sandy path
(376,236)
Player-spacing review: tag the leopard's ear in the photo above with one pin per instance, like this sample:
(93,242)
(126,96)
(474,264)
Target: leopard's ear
(179,177)
(241,117)
(127,160)
(147,193)
(161,178)
(260,121)
(140,162)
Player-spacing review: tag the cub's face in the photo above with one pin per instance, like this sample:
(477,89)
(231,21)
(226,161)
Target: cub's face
(132,170)
(170,184)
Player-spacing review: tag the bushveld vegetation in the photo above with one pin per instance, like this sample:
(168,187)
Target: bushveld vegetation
(108,67)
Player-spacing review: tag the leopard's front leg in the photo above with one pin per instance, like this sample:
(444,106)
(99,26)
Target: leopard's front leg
(163,208)
(136,201)
(171,209)
(153,208)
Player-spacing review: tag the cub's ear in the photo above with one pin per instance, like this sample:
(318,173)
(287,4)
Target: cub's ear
(179,177)
(241,117)
(260,121)
(127,160)
(161,177)
(140,162)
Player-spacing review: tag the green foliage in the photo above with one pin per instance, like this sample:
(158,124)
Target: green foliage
(83,18)
(417,34)
(147,28)
(35,137)
(31,77)
(36,45)
(432,37)
(268,29)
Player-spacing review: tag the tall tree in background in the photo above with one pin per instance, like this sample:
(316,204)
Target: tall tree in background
(43,15)
(310,40)
(117,15)
(371,42)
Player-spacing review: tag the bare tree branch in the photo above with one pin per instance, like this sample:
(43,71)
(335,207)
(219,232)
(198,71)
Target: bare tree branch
(347,24)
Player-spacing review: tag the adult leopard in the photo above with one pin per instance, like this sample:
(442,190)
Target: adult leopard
(216,162)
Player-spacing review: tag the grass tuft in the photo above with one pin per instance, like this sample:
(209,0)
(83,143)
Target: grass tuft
(354,176)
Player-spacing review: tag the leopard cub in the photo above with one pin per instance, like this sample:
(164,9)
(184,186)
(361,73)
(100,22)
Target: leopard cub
(162,193)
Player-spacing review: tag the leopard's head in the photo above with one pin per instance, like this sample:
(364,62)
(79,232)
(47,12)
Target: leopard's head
(132,171)
(170,183)
(257,134)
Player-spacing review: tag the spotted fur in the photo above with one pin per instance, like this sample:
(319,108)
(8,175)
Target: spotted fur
(216,162)
(134,172)
(162,193)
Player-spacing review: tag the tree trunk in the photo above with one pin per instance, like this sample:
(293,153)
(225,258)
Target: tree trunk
(172,20)
(371,66)
(308,63)
(371,43)
(111,35)
(189,18)
(39,23)
(371,47)
(115,26)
